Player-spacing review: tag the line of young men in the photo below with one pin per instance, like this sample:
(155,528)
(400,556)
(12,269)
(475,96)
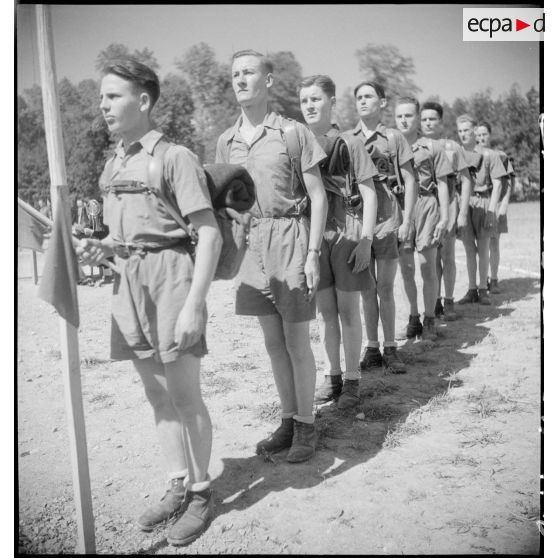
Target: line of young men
(158,305)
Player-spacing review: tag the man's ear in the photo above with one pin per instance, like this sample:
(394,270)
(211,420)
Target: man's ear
(269,80)
(383,103)
(145,102)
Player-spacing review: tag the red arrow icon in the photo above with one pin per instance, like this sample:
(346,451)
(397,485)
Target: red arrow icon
(519,25)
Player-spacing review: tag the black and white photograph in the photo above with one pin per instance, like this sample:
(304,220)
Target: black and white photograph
(279,278)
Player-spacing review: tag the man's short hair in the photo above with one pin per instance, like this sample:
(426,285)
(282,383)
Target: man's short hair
(486,125)
(142,76)
(265,62)
(376,86)
(433,105)
(465,118)
(407,100)
(325,83)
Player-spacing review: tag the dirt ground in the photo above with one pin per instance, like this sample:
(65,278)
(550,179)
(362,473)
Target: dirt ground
(446,459)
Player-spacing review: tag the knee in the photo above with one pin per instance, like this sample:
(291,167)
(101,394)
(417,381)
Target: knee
(327,311)
(275,347)
(349,317)
(158,397)
(407,266)
(297,348)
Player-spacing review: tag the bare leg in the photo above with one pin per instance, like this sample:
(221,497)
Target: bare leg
(483,243)
(439,270)
(370,307)
(427,261)
(471,254)
(386,279)
(297,341)
(351,326)
(330,331)
(407,265)
(494,256)
(183,380)
(167,421)
(447,254)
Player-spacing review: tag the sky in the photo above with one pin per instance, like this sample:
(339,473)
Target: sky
(324,39)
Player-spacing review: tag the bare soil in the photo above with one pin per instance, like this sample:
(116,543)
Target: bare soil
(444,459)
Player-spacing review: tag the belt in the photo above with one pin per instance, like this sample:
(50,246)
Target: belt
(485,194)
(423,193)
(126,249)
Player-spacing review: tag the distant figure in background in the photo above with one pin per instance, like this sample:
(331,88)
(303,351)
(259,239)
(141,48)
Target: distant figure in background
(487,173)
(460,178)
(44,208)
(483,134)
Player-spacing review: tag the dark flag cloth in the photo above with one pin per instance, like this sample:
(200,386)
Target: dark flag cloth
(60,271)
(30,231)
(230,186)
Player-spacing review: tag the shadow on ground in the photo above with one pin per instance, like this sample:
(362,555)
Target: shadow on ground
(386,402)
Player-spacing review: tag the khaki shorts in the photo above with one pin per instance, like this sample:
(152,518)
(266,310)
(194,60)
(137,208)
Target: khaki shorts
(502,226)
(334,269)
(386,248)
(271,279)
(148,295)
(475,229)
(425,218)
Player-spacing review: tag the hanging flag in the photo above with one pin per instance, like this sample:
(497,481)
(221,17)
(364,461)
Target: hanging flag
(60,271)
(30,231)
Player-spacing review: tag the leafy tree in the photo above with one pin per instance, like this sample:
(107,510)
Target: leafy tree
(215,107)
(119,50)
(287,74)
(386,65)
(175,110)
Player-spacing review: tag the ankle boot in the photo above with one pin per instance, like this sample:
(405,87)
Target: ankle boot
(304,442)
(195,520)
(281,439)
(169,506)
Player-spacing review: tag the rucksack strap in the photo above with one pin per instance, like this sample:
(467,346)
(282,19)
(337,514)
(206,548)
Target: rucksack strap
(392,147)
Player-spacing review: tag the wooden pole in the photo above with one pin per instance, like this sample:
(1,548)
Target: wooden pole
(68,333)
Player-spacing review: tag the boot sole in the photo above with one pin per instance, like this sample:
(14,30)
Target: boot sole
(298,460)
(191,538)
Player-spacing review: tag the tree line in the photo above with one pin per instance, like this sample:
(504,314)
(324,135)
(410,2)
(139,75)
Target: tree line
(197,104)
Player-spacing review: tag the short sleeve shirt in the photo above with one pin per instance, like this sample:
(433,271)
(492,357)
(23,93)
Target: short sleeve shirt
(267,161)
(137,215)
(489,168)
(430,162)
(398,150)
(456,156)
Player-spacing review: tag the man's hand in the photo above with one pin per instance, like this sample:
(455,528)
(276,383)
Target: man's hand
(361,255)
(440,230)
(91,251)
(461,220)
(490,220)
(403,231)
(312,272)
(189,326)
(502,211)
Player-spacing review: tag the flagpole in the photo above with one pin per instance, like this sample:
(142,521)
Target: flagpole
(68,333)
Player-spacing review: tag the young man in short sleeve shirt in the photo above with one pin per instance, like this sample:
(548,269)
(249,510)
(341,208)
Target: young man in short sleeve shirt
(482,209)
(158,304)
(483,134)
(392,156)
(431,126)
(430,218)
(280,272)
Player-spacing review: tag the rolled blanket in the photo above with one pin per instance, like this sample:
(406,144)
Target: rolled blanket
(230,186)
(338,159)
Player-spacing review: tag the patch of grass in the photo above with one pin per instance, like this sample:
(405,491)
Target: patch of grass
(378,389)
(90,361)
(416,495)
(236,407)
(101,397)
(403,430)
(462,460)
(332,427)
(54,353)
(483,408)
(483,439)
(217,384)
(381,412)
(268,411)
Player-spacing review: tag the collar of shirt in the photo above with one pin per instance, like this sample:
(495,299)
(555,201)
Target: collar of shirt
(380,129)
(271,120)
(147,142)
